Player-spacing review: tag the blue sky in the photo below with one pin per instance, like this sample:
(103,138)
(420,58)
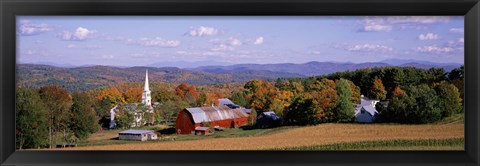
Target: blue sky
(140,40)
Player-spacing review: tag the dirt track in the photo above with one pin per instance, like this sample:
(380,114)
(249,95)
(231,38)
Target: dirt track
(313,135)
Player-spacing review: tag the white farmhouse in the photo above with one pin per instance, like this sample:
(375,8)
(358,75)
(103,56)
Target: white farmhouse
(365,112)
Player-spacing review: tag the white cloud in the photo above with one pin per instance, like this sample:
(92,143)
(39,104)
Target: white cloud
(80,34)
(107,56)
(428,36)
(203,31)
(235,42)
(387,24)
(222,47)
(154,42)
(369,48)
(181,52)
(313,52)
(213,53)
(375,24)
(457,43)
(259,40)
(435,49)
(73,46)
(26,28)
(456,30)
(418,19)
(377,28)
(29,52)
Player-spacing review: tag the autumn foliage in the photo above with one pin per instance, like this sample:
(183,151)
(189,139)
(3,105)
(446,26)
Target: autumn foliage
(186,92)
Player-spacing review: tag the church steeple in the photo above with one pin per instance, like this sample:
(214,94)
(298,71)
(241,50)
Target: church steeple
(146,88)
(146,97)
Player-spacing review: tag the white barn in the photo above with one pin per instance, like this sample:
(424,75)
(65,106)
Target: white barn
(138,135)
(365,112)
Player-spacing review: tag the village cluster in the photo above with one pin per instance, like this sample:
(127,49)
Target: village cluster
(202,120)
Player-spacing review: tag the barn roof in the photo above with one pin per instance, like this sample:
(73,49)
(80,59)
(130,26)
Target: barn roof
(136,131)
(209,114)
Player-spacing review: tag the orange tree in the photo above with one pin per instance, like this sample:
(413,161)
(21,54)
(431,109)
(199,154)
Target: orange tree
(187,93)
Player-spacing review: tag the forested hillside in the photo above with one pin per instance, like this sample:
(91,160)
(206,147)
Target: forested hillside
(86,78)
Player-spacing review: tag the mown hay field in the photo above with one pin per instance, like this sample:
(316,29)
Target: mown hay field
(323,134)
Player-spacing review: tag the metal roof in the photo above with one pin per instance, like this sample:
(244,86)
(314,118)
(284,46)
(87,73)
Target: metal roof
(271,115)
(366,101)
(209,114)
(368,108)
(136,132)
(202,128)
(224,101)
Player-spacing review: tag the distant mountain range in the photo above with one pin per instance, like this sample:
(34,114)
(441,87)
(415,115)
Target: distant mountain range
(185,64)
(320,68)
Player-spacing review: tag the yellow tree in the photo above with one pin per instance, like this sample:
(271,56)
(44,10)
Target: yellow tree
(259,94)
(378,90)
(280,102)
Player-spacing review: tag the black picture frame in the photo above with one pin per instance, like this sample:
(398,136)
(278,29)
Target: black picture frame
(11,8)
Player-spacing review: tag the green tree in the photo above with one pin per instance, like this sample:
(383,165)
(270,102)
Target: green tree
(31,120)
(302,111)
(168,110)
(84,120)
(58,102)
(123,118)
(419,104)
(456,77)
(201,100)
(457,73)
(449,100)
(344,111)
(240,98)
(425,108)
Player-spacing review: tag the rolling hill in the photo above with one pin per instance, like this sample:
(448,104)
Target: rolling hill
(85,78)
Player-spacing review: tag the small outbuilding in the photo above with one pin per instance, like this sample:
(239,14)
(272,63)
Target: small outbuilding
(202,131)
(268,119)
(138,135)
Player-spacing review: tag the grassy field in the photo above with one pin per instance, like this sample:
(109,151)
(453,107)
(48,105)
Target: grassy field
(110,137)
(442,136)
(400,144)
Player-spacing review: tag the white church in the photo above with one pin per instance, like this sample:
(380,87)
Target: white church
(137,109)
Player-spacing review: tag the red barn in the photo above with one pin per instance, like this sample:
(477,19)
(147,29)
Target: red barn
(222,116)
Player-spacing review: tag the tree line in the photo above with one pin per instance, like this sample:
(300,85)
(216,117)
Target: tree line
(407,95)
